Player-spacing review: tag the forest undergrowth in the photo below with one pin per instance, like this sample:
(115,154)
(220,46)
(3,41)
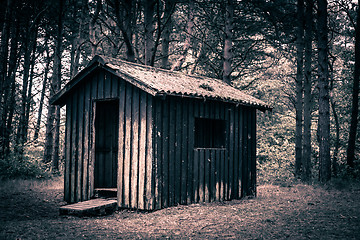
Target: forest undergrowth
(30,210)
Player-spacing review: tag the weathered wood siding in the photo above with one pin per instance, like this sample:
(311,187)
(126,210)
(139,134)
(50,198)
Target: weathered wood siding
(158,164)
(135,172)
(135,154)
(185,174)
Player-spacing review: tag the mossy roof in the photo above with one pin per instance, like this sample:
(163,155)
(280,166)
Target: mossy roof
(160,82)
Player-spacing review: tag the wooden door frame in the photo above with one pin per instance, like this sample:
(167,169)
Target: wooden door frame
(93,142)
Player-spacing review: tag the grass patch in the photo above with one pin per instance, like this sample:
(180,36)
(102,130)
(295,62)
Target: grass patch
(53,183)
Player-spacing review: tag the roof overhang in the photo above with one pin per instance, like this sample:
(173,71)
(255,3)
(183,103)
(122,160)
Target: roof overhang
(99,62)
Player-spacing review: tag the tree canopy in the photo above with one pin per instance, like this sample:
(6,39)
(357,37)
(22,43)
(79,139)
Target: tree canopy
(299,56)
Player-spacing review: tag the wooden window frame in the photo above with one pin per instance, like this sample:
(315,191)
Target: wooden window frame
(210,133)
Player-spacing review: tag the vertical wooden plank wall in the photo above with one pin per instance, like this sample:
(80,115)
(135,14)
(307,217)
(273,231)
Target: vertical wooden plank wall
(67,169)
(78,173)
(121,145)
(135,169)
(158,165)
(252,159)
(74,148)
(188,175)
(135,147)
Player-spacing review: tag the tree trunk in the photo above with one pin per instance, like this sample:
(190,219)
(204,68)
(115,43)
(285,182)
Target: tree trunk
(43,91)
(77,37)
(56,144)
(337,139)
(187,43)
(5,33)
(149,30)
(9,93)
(167,29)
(21,136)
(200,58)
(125,19)
(229,21)
(92,29)
(10,116)
(29,99)
(323,85)
(158,33)
(73,52)
(50,136)
(350,153)
(336,118)
(49,133)
(299,86)
(306,157)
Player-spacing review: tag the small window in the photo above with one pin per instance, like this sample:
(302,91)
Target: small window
(210,133)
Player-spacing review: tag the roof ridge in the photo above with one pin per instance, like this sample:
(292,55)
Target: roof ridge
(157,69)
(157,81)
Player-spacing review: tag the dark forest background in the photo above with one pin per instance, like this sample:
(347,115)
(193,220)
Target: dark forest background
(302,57)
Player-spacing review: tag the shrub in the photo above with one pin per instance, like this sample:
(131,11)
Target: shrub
(26,167)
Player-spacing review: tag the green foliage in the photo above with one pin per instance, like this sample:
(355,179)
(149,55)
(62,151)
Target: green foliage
(276,148)
(276,129)
(263,66)
(24,167)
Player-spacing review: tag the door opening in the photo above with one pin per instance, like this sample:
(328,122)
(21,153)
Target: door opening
(106,143)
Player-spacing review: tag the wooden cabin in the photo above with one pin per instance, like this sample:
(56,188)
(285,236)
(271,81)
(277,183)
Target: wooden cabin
(159,138)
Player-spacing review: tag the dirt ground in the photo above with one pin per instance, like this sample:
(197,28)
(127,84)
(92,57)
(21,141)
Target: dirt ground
(30,210)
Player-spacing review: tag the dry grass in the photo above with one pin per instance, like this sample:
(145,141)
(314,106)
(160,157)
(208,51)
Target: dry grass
(12,185)
(30,211)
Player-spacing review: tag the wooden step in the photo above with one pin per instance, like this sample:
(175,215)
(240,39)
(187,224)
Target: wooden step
(105,192)
(97,206)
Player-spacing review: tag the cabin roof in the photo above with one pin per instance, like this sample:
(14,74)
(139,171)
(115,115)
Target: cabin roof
(160,82)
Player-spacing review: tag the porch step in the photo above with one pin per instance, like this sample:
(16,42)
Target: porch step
(97,206)
(105,192)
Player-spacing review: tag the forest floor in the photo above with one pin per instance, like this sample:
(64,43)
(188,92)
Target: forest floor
(30,210)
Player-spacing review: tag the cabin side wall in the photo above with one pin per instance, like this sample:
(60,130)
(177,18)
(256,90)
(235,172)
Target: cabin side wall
(135,166)
(186,174)
(135,154)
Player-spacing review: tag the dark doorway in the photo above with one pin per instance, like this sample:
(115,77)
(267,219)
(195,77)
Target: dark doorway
(106,143)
